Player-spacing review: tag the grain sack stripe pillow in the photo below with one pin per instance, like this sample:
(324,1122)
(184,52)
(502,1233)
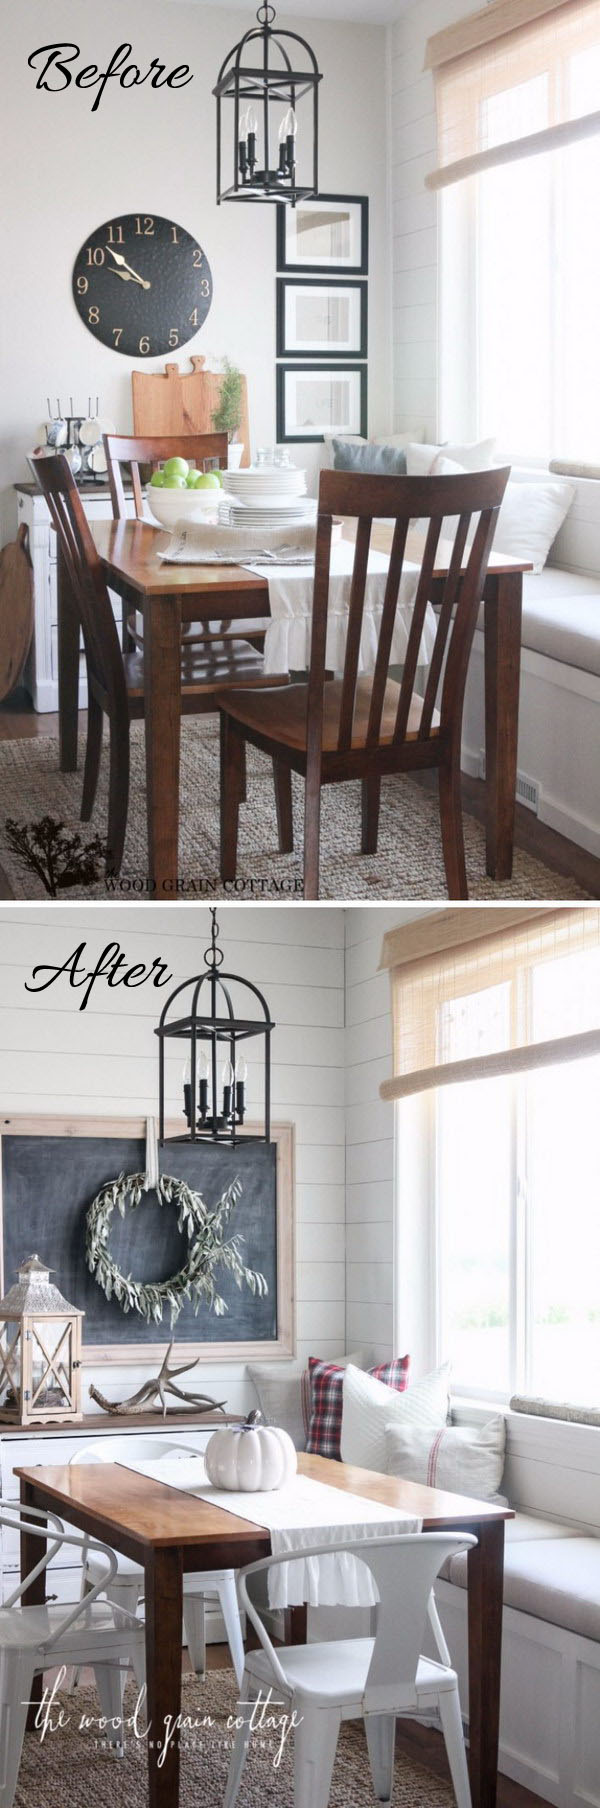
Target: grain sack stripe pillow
(433,1460)
(326,1381)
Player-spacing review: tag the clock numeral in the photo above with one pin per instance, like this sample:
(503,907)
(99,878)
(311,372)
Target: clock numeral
(93,316)
(205,286)
(144,343)
(95,255)
(117,335)
(145,229)
(193,318)
(173,338)
(82,285)
(197,259)
(115,235)
(176,241)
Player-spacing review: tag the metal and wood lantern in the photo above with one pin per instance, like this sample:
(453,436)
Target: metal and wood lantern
(40,1350)
(269,69)
(215,1070)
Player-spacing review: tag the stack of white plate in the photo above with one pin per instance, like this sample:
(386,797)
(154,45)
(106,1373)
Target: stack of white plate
(266,496)
(277,513)
(259,483)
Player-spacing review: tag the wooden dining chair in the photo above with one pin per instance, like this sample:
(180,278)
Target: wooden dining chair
(152,451)
(116,679)
(365,727)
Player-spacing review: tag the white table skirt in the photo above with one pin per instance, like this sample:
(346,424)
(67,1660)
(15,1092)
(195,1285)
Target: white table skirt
(304,1513)
(288,630)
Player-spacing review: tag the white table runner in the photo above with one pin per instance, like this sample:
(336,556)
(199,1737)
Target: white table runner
(288,631)
(304,1513)
(288,628)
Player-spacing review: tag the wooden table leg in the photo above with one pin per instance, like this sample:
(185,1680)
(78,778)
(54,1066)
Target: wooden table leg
(68,666)
(162,693)
(32,1549)
(164,1630)
(502,641)
(485,1588)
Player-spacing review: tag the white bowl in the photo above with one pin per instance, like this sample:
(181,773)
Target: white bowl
(170,506)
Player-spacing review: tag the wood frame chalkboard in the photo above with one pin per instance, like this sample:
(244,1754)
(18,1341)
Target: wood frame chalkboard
(133,1350)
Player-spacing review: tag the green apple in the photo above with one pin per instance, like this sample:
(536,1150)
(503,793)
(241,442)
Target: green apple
(157,480)
(219,477)
(176,467)
(190,482)
(174,482)
(206,480)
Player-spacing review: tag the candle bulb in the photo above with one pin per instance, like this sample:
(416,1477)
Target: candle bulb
(187,1091)
(282,147)
(252,131)
(227,1090)
(291,128)
(241,1074)
(203,1087)
(243,144)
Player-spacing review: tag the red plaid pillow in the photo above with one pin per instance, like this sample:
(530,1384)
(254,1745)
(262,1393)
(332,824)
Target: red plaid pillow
(326,1380)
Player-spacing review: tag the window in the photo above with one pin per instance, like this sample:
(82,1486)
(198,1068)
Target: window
(497,1062)
(519,171)
(518,1225)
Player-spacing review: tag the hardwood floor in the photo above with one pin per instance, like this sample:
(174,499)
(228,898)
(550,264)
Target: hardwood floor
(18,720)
(422,1743)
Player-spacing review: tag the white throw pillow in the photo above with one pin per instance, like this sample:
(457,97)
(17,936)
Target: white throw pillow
(477,457)
(466,1459)
(530,517)
(369,1406)
(399,440)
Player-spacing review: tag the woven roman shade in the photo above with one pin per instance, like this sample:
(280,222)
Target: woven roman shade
(519,78)
(517,1021)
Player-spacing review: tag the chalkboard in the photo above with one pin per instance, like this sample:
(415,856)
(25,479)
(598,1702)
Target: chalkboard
(48,1183)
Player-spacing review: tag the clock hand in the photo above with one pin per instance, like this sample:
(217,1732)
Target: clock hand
(133,275)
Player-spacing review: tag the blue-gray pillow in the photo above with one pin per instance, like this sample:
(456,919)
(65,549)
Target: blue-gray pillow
(380,461)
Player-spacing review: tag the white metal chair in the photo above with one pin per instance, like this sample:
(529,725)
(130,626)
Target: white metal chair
(374,1679)
(88,1631)
(128,1586)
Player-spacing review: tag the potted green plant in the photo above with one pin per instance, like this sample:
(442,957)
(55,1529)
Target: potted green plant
(227,416)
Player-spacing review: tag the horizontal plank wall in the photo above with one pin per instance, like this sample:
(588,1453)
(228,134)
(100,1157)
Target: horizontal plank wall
(369,1132)
(56,1058)
(414,210)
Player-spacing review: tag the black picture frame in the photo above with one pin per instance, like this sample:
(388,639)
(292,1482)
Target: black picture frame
(320,369)
(284,283)
(361,268)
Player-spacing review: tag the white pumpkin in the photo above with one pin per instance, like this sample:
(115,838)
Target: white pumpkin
(250,1458)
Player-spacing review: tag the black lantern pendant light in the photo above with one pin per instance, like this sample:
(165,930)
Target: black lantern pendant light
(269,70)
(214,1091)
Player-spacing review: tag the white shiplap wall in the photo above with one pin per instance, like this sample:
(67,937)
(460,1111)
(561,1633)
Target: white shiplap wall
(415,212)
(369,1132)
(56,1058)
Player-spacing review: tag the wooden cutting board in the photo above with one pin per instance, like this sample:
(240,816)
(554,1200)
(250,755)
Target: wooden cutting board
(179,402)
(16,610)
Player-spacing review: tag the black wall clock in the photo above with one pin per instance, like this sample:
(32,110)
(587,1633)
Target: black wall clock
(142,285)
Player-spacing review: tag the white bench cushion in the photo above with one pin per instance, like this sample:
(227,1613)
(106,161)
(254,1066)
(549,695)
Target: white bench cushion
(553,1579)
(561,617)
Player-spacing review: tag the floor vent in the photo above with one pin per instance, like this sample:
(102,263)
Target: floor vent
(528,790)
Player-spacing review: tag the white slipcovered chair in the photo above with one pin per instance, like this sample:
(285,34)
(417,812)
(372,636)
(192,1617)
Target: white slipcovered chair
(88,1631)
(373,1679)
(126,1590)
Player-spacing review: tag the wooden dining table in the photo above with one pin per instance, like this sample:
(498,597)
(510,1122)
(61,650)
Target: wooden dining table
(170,1532)
(169,595)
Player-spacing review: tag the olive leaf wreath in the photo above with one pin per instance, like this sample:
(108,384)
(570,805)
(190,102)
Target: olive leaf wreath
(208,1249)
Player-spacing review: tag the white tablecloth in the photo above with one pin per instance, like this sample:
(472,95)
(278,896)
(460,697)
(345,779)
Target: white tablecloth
(304,1513)
(287,645)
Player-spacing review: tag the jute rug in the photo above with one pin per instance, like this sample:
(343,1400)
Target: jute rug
(72,1769)
(408,863)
